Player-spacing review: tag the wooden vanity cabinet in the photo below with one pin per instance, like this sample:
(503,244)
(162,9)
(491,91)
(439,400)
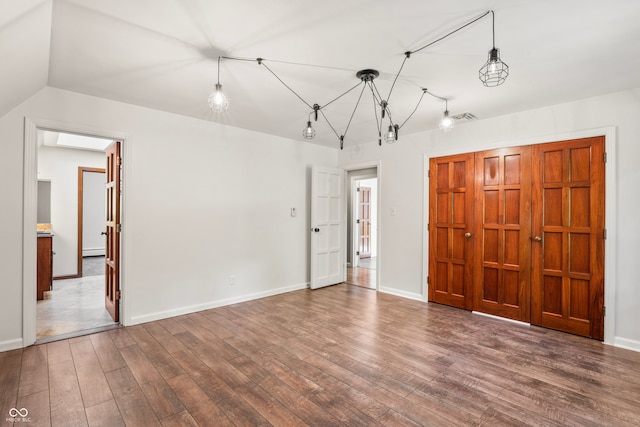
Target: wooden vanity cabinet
(45,265)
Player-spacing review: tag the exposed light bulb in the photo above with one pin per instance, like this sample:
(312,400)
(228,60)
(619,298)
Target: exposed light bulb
(447,123)
(493,68)
(309,132)
(218,102)
(390,135)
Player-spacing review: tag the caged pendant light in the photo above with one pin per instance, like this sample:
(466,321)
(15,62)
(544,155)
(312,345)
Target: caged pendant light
(447,122)
(218,101)
(493,73)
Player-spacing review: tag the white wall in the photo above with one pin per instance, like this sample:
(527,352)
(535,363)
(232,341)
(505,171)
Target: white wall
(202,202)
(94,215)
(60,165)
(403,187)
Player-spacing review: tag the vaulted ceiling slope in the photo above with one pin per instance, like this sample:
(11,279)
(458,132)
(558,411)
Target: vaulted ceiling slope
(162,55)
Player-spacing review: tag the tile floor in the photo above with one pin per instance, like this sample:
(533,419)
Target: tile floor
(93,266)
(369,263)
(73,305)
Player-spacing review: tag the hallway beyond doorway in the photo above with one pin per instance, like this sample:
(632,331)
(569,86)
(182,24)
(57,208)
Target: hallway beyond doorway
(72,305)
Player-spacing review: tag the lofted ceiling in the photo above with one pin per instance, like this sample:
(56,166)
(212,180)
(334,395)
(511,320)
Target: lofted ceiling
(163,55)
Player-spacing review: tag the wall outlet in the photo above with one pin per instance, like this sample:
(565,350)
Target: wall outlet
(232,280)
(294,212)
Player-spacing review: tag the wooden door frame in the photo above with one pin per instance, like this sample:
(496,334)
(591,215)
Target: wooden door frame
(81,171)
(30,205)
(611,196)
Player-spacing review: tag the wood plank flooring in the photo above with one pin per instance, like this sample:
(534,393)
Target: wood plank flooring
(342,355)
(363,277)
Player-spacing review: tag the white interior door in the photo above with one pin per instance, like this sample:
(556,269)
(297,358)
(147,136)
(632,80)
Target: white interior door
(327,227)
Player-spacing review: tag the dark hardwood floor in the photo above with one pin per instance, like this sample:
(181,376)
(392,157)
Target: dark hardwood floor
(342,355)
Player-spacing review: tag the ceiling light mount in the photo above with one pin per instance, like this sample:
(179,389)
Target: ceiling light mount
(367,75)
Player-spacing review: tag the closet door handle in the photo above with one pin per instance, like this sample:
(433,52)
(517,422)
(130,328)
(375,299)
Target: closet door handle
(538,239)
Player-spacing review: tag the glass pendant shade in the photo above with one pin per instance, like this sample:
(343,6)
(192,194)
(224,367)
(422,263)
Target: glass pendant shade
(309,132)
(494,72)
(390,135)
(447,123)
(218,102)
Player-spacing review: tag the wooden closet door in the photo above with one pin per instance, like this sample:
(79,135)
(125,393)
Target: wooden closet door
(502,244)
(451,181)
(568,244)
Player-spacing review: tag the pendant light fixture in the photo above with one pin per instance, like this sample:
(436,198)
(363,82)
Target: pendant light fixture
(447,123)
(218,102)
(494,72)
(391,136)
(309,132)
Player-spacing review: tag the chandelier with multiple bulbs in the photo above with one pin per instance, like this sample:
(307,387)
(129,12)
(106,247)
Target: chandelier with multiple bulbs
(493,73)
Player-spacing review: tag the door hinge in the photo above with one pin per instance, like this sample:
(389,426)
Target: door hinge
(117,298)
(358,189)
(427,280)
(428,173)
(118,228)
(605,157)
(604,310)
(357,221)
(427,226)
(604,235)
(357,252)
(119,161)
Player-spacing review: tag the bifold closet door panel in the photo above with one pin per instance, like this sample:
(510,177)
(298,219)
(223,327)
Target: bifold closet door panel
(502,239)
(451,194)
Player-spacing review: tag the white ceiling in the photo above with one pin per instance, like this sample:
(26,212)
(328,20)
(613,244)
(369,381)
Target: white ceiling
(162,55)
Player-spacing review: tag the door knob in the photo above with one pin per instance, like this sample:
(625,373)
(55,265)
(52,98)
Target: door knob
(538,239)
(467,235)
(104,233)
(315,230)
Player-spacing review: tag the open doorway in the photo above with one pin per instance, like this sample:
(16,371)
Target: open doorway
(72,300)
(362,227)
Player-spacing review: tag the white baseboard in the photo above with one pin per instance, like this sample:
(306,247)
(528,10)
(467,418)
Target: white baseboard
(626,343)
(11,344)
(403,294)
(213,304)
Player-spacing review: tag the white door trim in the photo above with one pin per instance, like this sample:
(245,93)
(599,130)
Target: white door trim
(30,205)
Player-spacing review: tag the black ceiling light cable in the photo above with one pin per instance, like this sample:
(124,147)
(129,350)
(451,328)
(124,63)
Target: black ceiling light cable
(367,77)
